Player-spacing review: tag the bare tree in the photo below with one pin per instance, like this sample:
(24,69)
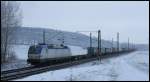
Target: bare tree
(10,21)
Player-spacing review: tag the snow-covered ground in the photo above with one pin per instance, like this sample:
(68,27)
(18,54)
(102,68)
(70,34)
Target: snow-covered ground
(15,64)
(131,67)
(21,51)
(20,62)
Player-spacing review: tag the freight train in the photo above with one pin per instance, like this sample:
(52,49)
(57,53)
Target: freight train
(52,53)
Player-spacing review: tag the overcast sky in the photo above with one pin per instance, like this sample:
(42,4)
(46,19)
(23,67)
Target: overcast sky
(129,18)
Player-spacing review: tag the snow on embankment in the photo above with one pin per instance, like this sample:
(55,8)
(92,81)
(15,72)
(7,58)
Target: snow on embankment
(21,51)
(15,64)
(140,60)
(77,50)
(130,67)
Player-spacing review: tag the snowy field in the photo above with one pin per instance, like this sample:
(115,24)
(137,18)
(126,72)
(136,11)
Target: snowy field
(131,67)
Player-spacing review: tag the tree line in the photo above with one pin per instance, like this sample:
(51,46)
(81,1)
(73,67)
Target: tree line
(10,20)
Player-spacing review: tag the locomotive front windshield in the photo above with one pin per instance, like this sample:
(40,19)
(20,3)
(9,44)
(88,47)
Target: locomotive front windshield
(35,50)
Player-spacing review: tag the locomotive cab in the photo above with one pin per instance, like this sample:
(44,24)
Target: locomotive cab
(35,53)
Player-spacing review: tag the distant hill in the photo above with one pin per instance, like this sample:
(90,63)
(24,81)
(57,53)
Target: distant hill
(31,35)
(142,46)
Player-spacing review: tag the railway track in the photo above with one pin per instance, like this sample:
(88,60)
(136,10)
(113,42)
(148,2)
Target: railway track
(20,73)
(27,71)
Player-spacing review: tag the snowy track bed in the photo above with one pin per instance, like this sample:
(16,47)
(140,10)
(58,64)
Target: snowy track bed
(14,65)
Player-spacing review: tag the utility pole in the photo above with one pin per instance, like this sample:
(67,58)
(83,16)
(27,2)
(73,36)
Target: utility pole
(90,43)
(117,41)
(128,44)
(112,44)
(43,36)
(90,40)
(99,44)
(99,41)
(34,42)
(63,37)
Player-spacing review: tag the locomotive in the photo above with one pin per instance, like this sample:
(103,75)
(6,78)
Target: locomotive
(51,53)
(47,52)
